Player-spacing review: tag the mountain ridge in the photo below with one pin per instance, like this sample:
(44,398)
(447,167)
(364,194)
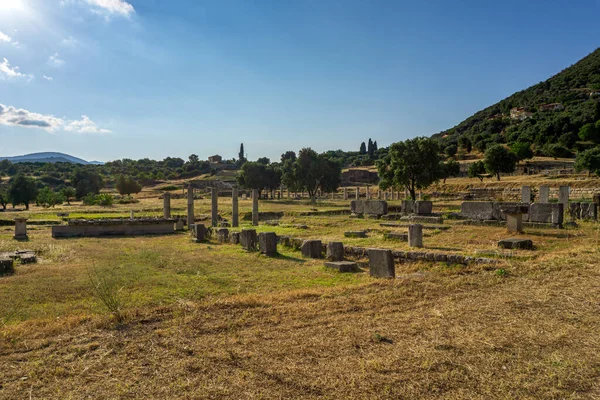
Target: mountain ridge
(50,156)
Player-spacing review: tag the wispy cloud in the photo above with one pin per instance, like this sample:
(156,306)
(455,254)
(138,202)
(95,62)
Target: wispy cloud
(85,125)
(112,7)
(55,60)
(48,78)
(12,116)
(5,38)
(70,42)
(8,72)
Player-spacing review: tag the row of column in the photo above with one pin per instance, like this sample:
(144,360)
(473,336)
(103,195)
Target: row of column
(544,194)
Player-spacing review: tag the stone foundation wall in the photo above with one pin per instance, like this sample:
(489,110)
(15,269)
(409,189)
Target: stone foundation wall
(114,227)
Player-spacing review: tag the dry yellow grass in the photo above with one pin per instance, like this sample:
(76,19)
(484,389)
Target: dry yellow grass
(211,321)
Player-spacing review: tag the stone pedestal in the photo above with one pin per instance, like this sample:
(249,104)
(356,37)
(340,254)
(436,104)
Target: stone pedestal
(190,207)
(544,195)
(343,266)
(248,239)
(415,235)
(335,251)
(214,209)
(167,205)
(21,229)
(563,196)
(526,194)
(311,248)
(255,207)
(381,263)
(514,222)
(267,242)
(235,216)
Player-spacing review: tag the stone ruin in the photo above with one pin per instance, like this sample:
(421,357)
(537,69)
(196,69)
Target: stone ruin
(543,213)
(372,208)
(114,227)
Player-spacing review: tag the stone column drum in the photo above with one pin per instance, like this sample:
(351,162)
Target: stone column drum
(190,207)
(415,235)
(235,216)
(167,205)
(255,207)
(214,209)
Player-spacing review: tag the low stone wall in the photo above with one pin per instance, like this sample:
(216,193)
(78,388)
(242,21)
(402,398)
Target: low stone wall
(369,207)
(551,213)
(114,227)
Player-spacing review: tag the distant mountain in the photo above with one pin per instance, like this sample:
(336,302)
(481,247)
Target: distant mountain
(545,115)
(48,157)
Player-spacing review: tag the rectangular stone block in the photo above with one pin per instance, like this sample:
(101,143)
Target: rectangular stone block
(502,205)
(311,248)
(267,243)
(550,213)
(222,235)
(563,196)
(544,195)
(198,232)
(357,207)
(514,222)
(381,263)
(526,194)
(423,207)
(343,266)
(234,238)
(376,207)
(407,206)
(335,251)
(248,239)
(415,235)
(478,210)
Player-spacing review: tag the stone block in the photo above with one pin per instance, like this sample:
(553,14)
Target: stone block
(514,222)
(376,207)
(21,229)
(355,234)
(199,232)
(415,235)
(589,211)
(499,206)
(248,239)
(526,194)
(563,195)
(478,210)
(549,213)
(407,206)
(267,242)
(423,207)
(574,211)
(343,266)
(381,263)
(516,243)
(311,248)
(544,195)
(234,238)
(179,225)
(222,235)
(400,236)
(335,251)
(6,265)
(357,207)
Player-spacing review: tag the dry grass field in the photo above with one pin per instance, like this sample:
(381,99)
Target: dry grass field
(214,321)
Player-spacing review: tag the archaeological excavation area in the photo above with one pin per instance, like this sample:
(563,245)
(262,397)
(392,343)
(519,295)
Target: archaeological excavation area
(362,293)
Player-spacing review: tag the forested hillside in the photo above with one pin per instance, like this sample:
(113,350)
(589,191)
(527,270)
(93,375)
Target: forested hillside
(556,117)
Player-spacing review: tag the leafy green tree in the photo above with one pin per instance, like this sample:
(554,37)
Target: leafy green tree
(451,150)
(588,160)
(125,185)
(465,144)
(288,155)
(414,164)
(264,160)
(255,175)
(311,172)
(450,169)
(370,148)
(499,160)
(49,198)
(241,155)
(588,132)
(4,197)
(68,193)
(22,190)
(86,181)
(522,150)
(477,170)
(556,150)
(363,148)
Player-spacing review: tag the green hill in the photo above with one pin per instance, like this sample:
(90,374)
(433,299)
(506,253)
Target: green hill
(548,115)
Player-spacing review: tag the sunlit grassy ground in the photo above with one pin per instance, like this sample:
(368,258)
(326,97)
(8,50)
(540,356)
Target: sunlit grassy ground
(213,321)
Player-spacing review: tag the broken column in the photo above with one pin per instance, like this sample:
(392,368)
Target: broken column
(267,243)
(526,194)
(21,229)
(255,207)
(190,207)
(357,193)
(167,205)
(368,193)
(415,235)
(544,196)
(563,196)
(235,216)
(214,209)
(345,193)
(381,263)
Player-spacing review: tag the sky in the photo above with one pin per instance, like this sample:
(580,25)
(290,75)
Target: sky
(111,79)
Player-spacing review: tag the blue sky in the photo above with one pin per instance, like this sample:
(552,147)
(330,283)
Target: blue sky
(108,79)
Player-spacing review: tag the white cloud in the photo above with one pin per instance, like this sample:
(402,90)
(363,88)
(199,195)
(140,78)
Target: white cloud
(12,116)
(5,38)
(70,42)
(118,7)
(55,60)
(48,78)
(8,72)
(85,125)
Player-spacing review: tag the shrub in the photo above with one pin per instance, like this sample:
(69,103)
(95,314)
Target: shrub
(104,200)
(170,188)
(106,289)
